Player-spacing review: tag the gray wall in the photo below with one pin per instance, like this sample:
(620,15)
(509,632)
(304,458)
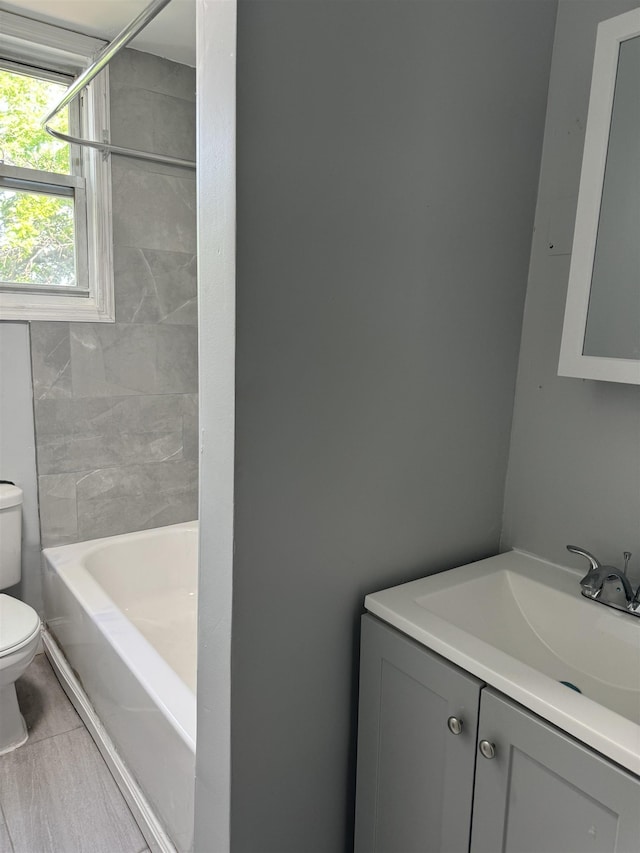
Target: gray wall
(116,404)
(388,158)
(17,450)
(574,468)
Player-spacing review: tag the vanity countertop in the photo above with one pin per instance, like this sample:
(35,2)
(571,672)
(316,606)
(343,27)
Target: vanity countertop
(520,624)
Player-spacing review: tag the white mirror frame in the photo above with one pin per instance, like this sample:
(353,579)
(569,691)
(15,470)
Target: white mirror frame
(572,360)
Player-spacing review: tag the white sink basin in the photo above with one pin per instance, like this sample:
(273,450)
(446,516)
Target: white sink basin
(521,625)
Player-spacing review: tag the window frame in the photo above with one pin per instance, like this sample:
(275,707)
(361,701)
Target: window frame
(51,49)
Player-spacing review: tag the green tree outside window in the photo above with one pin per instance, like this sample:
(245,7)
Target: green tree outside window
(36,230)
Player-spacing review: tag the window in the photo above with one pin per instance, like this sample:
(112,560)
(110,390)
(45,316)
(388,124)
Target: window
(55,198)
(42,203)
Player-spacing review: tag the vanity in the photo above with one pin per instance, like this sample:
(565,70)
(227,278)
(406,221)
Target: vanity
(499,711)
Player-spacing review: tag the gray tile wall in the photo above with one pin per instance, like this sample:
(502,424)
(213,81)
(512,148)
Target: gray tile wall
(116,405)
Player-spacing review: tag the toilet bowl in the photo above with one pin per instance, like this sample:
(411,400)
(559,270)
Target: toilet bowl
(19,623)
(19,638)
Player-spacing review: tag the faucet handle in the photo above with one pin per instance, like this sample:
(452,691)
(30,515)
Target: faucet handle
(634,604)
(594,561)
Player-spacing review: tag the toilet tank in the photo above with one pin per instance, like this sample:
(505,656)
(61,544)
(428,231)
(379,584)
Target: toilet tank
(10,534)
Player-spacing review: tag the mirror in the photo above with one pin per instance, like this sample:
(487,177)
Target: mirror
(601,335)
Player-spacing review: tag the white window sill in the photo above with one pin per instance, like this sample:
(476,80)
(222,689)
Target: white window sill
(39,306)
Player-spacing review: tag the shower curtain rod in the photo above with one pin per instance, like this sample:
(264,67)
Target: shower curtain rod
(102,59)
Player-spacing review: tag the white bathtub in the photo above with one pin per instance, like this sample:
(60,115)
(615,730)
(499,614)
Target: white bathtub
(123,611)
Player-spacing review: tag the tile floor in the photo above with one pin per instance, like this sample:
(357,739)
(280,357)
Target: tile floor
(56,792)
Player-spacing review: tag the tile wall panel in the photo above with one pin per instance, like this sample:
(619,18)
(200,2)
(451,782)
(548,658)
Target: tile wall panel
(155,286)
(146,71)
(140,195)
(116,405)
(51,360)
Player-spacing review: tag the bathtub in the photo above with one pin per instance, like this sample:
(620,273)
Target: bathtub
(123,612)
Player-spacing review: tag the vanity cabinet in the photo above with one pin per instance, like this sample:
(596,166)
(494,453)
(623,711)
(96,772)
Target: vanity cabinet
(544,792)
(447,764)
(415,778)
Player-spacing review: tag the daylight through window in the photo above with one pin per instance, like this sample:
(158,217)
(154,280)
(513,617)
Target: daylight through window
(37,228)
(55,198)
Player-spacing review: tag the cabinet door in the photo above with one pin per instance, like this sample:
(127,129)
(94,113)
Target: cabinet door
(415,778)
(544,792)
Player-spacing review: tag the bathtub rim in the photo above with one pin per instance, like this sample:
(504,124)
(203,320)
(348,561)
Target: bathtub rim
(164,686)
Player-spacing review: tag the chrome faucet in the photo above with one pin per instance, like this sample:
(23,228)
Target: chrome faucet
(607,584)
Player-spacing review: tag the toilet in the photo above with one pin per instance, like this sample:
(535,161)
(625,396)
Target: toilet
(19,623)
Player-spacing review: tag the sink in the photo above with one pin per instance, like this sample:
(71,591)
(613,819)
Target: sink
(550,628)
(521,625)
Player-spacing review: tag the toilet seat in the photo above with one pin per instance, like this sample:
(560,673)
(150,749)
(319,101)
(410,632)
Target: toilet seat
(19,624)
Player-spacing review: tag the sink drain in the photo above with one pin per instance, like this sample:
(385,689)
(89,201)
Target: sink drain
(572,686)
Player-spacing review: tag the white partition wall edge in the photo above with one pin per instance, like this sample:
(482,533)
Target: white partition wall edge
(216,73)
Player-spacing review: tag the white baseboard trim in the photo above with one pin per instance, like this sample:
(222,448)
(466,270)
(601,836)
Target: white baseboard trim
(150,826)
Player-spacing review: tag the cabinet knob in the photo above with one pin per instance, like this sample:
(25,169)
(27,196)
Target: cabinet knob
(455,725)
(487,748)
